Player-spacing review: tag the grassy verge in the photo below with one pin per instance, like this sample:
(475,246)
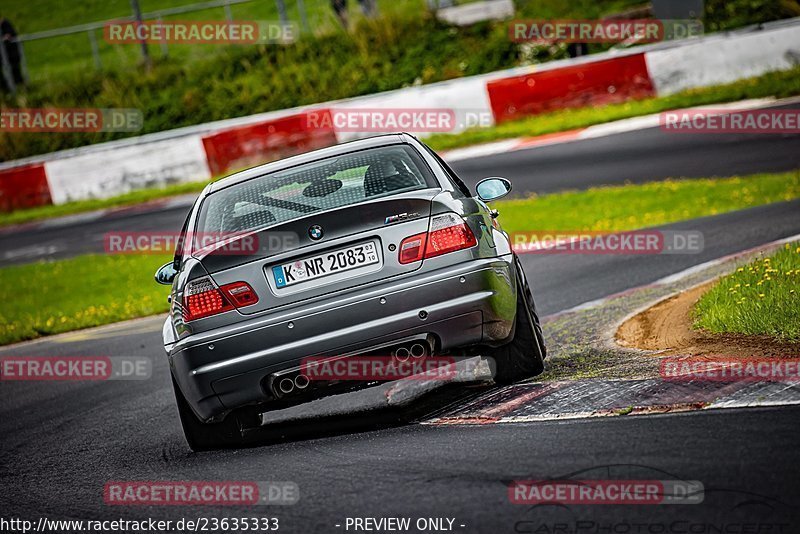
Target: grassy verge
(58,55)
(762,298)
(81,206)
(629,207)
(780,84)
(48,298)
(54,56)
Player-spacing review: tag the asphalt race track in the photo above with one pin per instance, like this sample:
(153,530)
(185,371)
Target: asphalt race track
(638,156)
(63,441)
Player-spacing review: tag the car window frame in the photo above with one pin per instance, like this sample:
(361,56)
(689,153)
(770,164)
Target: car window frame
(180,246)
(428,176)
(451,174)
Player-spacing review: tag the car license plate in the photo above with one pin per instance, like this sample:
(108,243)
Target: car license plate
(333,262)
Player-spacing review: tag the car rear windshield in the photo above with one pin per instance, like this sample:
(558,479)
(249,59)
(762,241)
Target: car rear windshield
(322,185)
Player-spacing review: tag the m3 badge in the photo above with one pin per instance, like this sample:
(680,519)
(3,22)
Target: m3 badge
(400,217)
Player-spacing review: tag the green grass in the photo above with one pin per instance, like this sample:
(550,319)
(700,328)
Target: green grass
(55,56)
(48,298)
(51,57)
(80,206)
(762,298)
(780,84)
(59,55)
(629,207)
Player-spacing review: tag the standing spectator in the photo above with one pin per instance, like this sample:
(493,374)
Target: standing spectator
(8,34)
(340,8)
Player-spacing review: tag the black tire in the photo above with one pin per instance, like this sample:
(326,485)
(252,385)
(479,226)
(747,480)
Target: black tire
(523,356)
(206,436)
(532,307)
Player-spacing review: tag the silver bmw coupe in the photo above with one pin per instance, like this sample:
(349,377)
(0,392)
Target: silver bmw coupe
(373,247)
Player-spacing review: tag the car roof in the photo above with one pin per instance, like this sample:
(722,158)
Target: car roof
(292,161)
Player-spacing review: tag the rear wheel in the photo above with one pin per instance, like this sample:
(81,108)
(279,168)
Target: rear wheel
(206,436)
(524,356)
(532,307)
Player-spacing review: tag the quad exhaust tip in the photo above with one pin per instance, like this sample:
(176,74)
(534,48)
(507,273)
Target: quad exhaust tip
(415,351)
(286,386)
(295,383)
(418,351)
(301,381)
(402,354)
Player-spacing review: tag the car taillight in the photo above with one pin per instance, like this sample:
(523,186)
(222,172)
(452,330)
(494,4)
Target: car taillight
(447,233)
(240,293)
(202,298)
(412,248)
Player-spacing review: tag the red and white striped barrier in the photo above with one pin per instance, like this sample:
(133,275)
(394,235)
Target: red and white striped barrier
(24,187)
(595,83)
(246,146)
(200,152)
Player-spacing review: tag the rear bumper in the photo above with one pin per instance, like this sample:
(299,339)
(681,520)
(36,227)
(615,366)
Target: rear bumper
(463,304)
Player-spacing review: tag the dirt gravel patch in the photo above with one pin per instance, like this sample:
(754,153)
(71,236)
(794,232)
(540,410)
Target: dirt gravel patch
(667,329)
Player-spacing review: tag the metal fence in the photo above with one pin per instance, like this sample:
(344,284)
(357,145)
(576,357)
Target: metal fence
(368,7)
(90,29)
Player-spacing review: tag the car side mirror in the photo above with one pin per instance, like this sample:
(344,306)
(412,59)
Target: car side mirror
(166,274)
(493,188)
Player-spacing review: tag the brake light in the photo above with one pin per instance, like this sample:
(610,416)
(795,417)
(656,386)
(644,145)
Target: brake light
(202,298)
(412,248)
(447,233)
(240,293)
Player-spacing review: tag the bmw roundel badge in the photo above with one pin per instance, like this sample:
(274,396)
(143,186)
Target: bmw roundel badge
(315,232)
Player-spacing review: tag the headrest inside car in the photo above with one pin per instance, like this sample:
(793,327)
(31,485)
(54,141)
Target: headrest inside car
(322,188)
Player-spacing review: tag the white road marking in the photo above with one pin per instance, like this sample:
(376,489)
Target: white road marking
(601,130)
(34,251)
